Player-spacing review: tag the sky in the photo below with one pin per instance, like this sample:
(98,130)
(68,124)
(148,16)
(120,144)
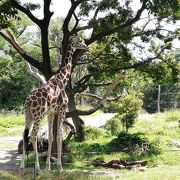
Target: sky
(59,7)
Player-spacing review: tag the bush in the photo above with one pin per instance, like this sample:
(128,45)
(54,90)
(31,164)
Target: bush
(94,133)
(129,109)
(15,84)
(113,126)
(134,144)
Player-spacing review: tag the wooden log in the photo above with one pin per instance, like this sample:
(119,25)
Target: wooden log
(131,167)
(99,163)
(117,166)
(113,162)
(122,164)
(141,163)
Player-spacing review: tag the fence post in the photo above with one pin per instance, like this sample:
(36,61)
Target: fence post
(159,99)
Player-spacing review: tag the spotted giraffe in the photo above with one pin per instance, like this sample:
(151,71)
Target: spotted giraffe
(50,100)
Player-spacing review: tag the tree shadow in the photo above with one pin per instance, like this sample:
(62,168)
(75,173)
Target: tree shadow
(9,160)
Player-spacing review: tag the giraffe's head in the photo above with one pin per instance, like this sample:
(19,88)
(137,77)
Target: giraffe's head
(78,43)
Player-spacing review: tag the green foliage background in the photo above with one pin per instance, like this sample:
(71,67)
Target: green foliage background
(15,84)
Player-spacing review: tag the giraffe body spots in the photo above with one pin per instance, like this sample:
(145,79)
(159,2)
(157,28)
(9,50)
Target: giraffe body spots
(38,108)
(64,81)
(39,101)
(38,94)
(44,94)
(40,90)
(34,104)
(33,97)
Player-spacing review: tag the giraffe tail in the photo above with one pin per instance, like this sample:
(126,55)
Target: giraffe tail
(25,137)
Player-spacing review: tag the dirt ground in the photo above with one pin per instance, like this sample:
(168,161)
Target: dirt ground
(8,153)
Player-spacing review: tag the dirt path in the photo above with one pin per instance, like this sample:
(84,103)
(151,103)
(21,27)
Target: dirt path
(98,121)
(8,153)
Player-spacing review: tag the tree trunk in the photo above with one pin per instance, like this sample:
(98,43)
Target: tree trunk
(78,122)
(79,125)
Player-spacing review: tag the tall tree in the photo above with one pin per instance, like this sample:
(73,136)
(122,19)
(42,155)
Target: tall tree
(119,32)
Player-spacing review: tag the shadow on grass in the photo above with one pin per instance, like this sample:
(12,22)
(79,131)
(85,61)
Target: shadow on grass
(129,147)
(135,146)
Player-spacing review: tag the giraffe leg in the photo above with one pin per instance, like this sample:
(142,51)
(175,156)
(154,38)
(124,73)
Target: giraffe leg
(50,139)
(34,143)
(61,117)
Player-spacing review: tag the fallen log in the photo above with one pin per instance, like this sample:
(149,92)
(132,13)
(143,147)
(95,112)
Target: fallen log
(122,164)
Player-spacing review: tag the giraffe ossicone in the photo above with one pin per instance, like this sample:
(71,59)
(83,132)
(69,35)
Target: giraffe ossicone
(50,100)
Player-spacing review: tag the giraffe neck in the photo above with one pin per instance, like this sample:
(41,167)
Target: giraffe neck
(66,70)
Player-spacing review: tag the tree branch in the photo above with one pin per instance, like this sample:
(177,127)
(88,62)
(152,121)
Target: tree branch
(45,39)
(77,22)
(98,85)
(100,103)
(34,72)
(26,11)
(84,79)
(148,60)
(97,97)
(11,39)
(126,24)
(90,60)
(71,11)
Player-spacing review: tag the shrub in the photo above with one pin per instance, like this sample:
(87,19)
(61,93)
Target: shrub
(113,126)
(128,110)
(94,133)
(135,144)
(15,84)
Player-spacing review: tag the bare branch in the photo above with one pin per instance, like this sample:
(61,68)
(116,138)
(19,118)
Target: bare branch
(97,97)
(55,47)
(96,13)
(11,39)
(148,60)
(92,23)
(22,31)
(84,79)
(100,103)
(35,73)
(99,84)
(37,45)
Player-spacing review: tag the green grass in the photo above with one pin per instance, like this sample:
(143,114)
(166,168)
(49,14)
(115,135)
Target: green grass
(11,124)
(11,120)
(155,173)
(163,130)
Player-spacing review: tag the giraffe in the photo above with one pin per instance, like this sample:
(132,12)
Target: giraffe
(50,100)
